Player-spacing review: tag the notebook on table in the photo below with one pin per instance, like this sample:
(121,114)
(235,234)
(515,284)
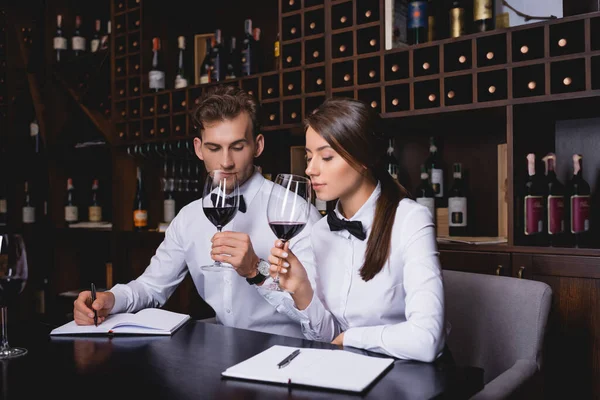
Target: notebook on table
(330,369)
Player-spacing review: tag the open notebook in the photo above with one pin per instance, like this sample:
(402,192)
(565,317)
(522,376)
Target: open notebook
(149,321)
(331,369)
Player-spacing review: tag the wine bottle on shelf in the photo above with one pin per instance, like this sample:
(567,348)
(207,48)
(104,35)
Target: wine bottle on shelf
(95,42)
(258,57)
(436,172)
(424,193)
(484,15)
(71,210)
(533,208)
(417,22)
(60,41)
(431,32)
(28,207)
(105,41)
(34,134)
(216,52)
(555,205)
(579,204)
(156,75)
(206,67)
(457,19)
(180,79)
(247,49)
(392,161)
(3,204)
(140,205)
(95,208)
(457,205)
(277,54)
(169,201)
(232,59)
(78,41)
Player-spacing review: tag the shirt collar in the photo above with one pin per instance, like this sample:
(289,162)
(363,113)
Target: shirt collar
(366,213)
(251,187)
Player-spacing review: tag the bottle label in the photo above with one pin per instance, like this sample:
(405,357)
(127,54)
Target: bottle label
(457,22)
(180,82)
(204,79)
(457,211)
(428,202)
(71,213)
(534,215)
(482,9)
(3,207)
(60,43)
(78,43)
(580,214)
(169,210)
(437,182)
(95,213)
(28,215)
(556,215)
(34,129)
(157,79)
(276,49)
(140,218)
(417,14)
(94,45)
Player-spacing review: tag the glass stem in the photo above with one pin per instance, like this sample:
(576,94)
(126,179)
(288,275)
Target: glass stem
(218,263)
(4,326)
(276,280)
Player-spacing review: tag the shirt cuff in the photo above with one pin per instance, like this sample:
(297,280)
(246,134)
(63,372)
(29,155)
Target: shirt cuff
(367,337)
(315,312)
(120,299)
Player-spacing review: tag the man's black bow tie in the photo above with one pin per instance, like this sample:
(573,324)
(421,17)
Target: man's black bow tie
(229,201)
(354,227)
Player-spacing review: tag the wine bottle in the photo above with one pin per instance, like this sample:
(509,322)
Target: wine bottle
(140,207)
(95,43)
(95,208)
(392,161)
(216,52)
(105,41)
(457,205)
(579,203)
(3,204)
(206,67)
(247,45)
(431,33)
(232,59)
(34,134)
(277,54)
(169,201)
(457,19)
(555,205)
(60,41)
(71,210)
(78,41)
(424,193)
(156,75)
(258,65)
(417,22)
(533,208)
(435,172)
(484,15)
(28,208)
(180,79)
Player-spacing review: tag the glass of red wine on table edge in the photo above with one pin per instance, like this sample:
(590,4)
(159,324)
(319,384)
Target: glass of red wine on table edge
(220,202)
(288,211)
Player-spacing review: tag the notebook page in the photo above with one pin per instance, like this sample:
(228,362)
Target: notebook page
(154,318)
(108,324)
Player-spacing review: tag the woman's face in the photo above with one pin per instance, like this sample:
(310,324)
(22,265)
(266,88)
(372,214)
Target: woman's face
(331,175)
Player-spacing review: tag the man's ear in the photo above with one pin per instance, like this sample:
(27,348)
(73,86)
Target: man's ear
(260,145)
(198,148)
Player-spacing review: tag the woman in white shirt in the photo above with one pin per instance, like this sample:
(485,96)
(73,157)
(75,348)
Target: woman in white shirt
(378,283)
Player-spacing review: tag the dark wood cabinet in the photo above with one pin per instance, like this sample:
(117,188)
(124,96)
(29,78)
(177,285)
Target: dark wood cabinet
(481,263)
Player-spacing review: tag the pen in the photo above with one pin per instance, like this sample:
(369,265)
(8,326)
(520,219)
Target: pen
(288,359)
(94,299)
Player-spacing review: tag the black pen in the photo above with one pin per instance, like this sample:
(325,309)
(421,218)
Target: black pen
(93,300)
(288,359)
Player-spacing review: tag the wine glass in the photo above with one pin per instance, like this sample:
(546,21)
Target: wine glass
(13,275)
(288,211)
(220,202)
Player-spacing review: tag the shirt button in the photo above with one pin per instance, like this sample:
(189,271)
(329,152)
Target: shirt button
(227,310)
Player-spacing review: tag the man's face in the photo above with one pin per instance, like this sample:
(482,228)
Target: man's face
(229,146)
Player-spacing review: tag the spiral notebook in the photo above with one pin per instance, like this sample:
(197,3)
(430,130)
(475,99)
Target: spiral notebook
(330,369)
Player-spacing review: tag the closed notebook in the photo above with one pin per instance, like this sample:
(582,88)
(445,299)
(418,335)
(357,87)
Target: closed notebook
(331,369)
(149,321)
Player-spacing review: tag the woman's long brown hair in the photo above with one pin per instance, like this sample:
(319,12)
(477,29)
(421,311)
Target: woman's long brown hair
(351,128)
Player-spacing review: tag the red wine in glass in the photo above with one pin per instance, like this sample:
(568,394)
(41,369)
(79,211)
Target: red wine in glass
(286,230)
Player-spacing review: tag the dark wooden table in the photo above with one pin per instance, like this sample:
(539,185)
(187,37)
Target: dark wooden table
(188,365)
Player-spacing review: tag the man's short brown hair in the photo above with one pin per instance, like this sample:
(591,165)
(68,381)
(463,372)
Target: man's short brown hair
(225,102)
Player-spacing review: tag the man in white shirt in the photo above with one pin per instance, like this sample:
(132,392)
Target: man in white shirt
(227,118)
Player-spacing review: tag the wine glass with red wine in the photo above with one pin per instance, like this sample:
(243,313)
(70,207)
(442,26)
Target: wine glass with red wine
(13,276)
(220,201)
(288,211)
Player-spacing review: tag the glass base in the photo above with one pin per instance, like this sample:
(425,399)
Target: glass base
(217,267)
(12,352)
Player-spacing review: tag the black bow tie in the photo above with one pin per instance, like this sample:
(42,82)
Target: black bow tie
(354,227)
(229,201)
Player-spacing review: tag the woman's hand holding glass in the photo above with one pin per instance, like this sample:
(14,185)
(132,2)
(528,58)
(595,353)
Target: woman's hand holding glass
(292,274)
